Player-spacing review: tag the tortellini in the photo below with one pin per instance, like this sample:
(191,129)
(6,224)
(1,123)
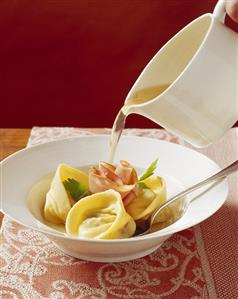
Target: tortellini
(102,216)
(110,203)
(58,200)
(152,197)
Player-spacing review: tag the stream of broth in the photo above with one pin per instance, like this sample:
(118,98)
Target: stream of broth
(139,97)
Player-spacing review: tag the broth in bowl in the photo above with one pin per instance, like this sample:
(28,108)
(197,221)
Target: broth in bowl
(104,202)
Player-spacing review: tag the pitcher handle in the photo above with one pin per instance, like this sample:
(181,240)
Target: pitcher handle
(219,11)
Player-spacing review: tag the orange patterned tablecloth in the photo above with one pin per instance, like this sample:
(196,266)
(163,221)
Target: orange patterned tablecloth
(200,262)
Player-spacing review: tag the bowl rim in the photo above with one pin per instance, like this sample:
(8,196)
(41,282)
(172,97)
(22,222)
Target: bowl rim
(167,231)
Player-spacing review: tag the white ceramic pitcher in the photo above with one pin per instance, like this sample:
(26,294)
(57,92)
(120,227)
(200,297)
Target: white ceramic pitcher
(200,64)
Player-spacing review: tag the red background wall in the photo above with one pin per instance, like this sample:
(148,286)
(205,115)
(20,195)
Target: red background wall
(71,63)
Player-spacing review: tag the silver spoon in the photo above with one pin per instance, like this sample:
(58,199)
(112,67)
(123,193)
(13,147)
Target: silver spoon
(149,224)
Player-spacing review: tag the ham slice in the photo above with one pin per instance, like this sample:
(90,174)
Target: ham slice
(132,194)
(126,172)
(122,178)
(108,170)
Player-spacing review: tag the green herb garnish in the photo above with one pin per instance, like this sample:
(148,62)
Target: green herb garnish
(142,184)
(149,171)
(74,188)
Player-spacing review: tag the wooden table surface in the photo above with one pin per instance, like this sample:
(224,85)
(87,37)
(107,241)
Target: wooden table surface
(12,140)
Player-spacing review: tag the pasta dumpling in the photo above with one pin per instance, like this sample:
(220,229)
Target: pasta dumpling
(58,200)
(102,216)
(151,197)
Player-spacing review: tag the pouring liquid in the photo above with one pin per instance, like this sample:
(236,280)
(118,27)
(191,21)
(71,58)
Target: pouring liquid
(138,97)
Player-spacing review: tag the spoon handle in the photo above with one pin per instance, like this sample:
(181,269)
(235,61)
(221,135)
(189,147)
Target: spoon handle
(222,173)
